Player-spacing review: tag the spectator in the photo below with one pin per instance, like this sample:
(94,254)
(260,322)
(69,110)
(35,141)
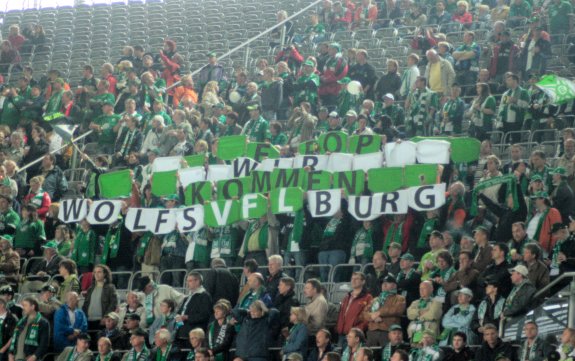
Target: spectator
(9,218)
(84,249)
(440,73)
(42,270)
(256,291)
(322,347)
(462,15)
(409,76)
(296,341)
(538,271)
(364,72)
(68,272)
(30,233)
(427,349)
(567,347)
(101,299)
(521,296)
(334,242)
(220,332)
(197,338)
(154,295)
(112,332)
(195,310)
(352,307)
(80,351)
(275,263)
(416,16)
(48,303)
(38,198)
(491,308)
(9,259)
(459,318)
(408,279)
(539,225)
(355,338)
(534,57)
(285,300)
(559,11)
(500,12)
(342,17)
(465,276)
(335,69)
(467,61)
(376,273)
(38,341)
(534,348)
(562,195)
(164,348)
(317,308)
(129,140)
(428,263)
(132,307)
(483,249)
(166,320)
(424,313)
(365,14)
(139,351)
(8,56)
(439,16)
(421,105)
(69,323)
(453,110)
(383,312)
(519,11)
(271,94)
(105,351)
(388,83)
(7,327)
(459,351)
(253,339)
(493,347)
(499,267)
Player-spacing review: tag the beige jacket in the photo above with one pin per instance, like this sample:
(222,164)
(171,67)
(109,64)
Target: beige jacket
(316,311)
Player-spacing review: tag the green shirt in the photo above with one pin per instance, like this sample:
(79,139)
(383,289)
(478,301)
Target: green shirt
(107,122)
(280,139)
(10,115)
(9,219)
(306,88)
(84,248)
(257,130)
(28,234)
(514,112)
(396,113)
(521,10)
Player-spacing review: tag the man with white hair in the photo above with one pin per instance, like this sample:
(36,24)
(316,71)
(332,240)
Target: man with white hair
(424,313)
(164,349)
(275,274)
(440,73)
(154,137)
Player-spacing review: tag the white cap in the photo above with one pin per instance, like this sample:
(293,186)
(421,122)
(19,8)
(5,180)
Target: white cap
(334,114)
(466,291)
(351,113)
(390,96)
(521,269)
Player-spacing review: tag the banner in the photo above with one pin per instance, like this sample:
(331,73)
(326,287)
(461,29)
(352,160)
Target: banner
(559,90)
(321,203)
(115,184)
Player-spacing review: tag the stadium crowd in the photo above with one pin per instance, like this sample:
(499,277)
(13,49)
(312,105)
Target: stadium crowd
(433,286)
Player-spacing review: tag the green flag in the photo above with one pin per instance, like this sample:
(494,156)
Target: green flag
(308,148)
(115,184)
(363,144)
(231,147)
(385,179)
(559,90)
(286,200)
(222,212)
(164,183)
(197,160)
(420,174)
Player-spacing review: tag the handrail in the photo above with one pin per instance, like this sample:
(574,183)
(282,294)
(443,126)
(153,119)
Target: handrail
(251,40)
(543,291)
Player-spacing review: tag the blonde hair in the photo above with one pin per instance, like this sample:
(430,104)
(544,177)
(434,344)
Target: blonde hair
(38,179)
(211,86)
(198,332)
(494,159)
(464,3)
(300,313)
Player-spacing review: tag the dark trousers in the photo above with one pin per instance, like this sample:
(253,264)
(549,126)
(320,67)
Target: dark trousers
(168,262)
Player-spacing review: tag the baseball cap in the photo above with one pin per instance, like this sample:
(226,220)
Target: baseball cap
(172,197)
(482,229)
(395,327)
(309,62)
(334,114)
(114,316)
(389,96)
(408,256)
(50,245)
(521,269)
(139,332)
(133,316)
(536,178)
(540,194)
(466,291)
(48,288)
(7,237)
(254,106)
(559,170)
(389,279)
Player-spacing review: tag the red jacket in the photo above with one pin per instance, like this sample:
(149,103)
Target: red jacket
(464,19)
(170,73)
(335,69)
(405,231)
(513,53)
(112,80)
(41,208)
(350,312)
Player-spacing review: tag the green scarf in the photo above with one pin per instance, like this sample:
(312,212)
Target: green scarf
(163,356)
(508,180)
(214,340)
(250,297)
(402,276)
(445,275)
(84,247)
(513,294)
(112,242)
(106,358)
(191,356)
(144,244)
(380,300)
(31,335)
(363,240)
(423,302)
(134,356)
(149,306)
(262,237)
(429,226)
(347,353)
(386,355)
(394,234)
(296,233)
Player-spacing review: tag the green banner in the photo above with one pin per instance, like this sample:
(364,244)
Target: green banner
(364,144)
(420,174)
(463,149)
(352,182)
(197,160)
(256,208)
(317,180)
(385,179)
(164,183)
(286,200)
(261,151)
(238,188)
(308,148)
(231,147)
(115,184)
(332,142)
(218,210)
(198,193)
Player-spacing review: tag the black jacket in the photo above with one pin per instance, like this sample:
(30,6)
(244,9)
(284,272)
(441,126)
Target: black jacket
(134,146)
(43,341)
(501,274)
(51,267)
(284,303)
(220,283)
(8,327)
(506,215)
(272,95)
(373,281)
(272,283)
(253,340)
(410,287)
(222,345)
(486,353)
(466,354)
(313,355)
(198,308)
(564,200)
(117,337)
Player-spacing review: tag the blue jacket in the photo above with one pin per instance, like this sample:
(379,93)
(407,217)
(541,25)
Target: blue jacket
(63,328)
(297,340)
